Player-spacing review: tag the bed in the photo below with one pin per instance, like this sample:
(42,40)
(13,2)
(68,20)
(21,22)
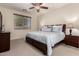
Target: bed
(44,41)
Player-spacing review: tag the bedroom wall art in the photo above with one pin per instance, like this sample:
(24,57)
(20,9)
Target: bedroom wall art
(22,22)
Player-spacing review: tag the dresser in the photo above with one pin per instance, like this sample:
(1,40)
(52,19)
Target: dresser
(4,41)
(72,40)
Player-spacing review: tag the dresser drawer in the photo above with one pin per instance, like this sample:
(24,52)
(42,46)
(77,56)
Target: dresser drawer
(72,40)
(72,44)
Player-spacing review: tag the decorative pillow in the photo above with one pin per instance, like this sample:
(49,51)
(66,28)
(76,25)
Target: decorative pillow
(46,29)
(57,28)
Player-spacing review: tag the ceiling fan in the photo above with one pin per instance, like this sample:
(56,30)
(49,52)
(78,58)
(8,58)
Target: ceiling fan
(38,6)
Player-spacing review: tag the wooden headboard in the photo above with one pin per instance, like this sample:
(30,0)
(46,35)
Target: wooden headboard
(63,28)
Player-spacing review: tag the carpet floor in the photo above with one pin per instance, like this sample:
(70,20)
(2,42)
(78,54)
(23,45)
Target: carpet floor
(20,48)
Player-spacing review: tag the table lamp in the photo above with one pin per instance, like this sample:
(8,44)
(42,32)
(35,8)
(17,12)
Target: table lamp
(70,23)
(70,28)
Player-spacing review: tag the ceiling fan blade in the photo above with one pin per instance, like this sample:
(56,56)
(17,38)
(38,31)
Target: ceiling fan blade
(36,4)
(31,7)
(43,7)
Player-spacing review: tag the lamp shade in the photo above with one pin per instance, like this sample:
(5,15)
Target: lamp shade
(70,25)
(71,20)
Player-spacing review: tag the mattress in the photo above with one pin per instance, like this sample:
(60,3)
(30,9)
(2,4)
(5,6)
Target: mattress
(40,36)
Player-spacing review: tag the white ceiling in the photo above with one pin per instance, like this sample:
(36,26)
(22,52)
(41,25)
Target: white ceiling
(21,6)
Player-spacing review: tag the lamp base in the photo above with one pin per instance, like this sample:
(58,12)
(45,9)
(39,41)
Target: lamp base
(70,32)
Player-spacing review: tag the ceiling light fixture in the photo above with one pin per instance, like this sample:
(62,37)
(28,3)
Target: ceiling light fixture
(38,6)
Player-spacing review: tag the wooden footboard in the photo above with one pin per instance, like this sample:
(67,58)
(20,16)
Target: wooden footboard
(41,46)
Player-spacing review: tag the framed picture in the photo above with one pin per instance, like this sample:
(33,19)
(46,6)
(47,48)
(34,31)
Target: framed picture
(22,22)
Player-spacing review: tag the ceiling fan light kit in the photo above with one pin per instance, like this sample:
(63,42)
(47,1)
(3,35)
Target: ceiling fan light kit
(38,6)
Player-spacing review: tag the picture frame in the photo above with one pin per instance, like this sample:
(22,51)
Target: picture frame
(22,22)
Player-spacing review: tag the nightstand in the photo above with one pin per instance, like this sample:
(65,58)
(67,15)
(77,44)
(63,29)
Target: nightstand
(72,40)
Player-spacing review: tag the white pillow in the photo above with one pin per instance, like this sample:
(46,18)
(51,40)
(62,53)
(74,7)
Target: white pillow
(46,29)
(57,28)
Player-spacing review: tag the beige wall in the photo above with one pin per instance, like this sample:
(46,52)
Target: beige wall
(60,15)
(57,16)
(8,21)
